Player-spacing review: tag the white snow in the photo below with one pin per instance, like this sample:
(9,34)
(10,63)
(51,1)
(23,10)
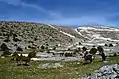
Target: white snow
(63,32)
(98,29)
(80,34)
(68,34)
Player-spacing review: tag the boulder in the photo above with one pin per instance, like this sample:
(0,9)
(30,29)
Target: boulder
(105,72)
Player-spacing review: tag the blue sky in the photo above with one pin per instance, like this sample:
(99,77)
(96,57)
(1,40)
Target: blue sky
(62,12)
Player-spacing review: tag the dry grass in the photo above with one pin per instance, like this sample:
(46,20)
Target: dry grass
(70,70)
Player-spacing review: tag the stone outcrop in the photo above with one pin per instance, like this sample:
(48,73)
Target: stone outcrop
(105,72)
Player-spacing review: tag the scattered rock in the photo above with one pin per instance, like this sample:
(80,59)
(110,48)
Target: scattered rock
(105,72)
(50,65)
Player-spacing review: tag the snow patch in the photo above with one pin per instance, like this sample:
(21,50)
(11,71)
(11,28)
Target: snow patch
(68,34)
(96,28)
(80,33)
(63,32)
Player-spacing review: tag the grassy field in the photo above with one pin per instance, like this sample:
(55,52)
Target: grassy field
(70,70)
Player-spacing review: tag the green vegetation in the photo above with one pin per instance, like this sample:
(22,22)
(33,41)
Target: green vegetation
(76,69)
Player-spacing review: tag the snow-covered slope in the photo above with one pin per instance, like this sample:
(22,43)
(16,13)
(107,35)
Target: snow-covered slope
(99,32)
(63,32)
(98,28)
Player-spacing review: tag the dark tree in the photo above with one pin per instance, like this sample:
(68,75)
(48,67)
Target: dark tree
(14,35)
(35,39)
(54,48)
(110,45)
(6,53)
(48,52)
(100,49)
(32,54)
(106,45)
(15,45)
(115,54)
(46,47)
(7,39)
(69,49)
(15,54)
(29,46)
(42,47)
(47,44)
(84,48)
(19,49)
(79,49)
(4,47)
(68,54)
(93,51)
(80,43)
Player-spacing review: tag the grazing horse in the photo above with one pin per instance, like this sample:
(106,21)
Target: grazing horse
(87,57)
(93,51)
(20,59)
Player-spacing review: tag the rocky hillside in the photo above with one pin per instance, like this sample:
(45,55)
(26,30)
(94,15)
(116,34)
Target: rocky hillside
(24,34)
(99,32)
(70,31)
(105,72)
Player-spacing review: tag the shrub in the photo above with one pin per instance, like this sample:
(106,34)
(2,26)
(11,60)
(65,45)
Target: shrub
(16,39)
(110,45)
(69,49)
(32,54)
(26,59)
(6,53)
(14,35)
(7,39)
(79,49)
(115,54)
(100,49)
(47,44)
(19,49)
(29,46)
(35,39)
(80,43)
(76,50)
(106,45)
(54,48)
(84,48)
(4,47)
(93,51)
(46,48)
(48,52)
(15,45)
(68,54)
(42,47)
(15,54)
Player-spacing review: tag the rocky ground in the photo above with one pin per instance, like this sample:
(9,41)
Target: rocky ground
(105,72)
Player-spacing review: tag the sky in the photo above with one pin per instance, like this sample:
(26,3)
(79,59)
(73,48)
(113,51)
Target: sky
(62,12)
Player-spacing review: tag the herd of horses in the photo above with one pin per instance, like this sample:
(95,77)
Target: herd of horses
(23,60)
(87,55)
